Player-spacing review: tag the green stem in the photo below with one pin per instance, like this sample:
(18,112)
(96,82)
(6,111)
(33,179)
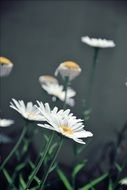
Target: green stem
(53,161)
(65,88)
(90,83)
(14,148)
(40,161)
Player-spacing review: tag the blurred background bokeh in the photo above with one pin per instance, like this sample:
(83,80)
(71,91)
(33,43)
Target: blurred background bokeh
(38,35)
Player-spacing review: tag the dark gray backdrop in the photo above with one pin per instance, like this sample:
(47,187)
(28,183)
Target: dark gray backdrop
(38,35)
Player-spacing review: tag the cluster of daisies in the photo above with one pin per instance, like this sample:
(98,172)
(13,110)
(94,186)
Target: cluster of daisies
(51,85)
(61,121)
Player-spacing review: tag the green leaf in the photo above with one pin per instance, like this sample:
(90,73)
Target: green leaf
(17,154)
(20,166)
(119,168)
(52,148)
(110,186)
(8,177)
(46,137)
(53,167)
(22,182)
(64,179)
(77,169)
(26,145)
(32,165)
(94,182)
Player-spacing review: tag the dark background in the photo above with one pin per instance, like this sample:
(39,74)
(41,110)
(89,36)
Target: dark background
(38,35)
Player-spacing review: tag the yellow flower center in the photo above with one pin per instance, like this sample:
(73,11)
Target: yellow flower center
(31,115)
(4,60)
(71,65)
(66,130)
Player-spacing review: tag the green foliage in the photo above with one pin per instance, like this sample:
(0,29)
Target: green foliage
(22,181)
(119,168)
(20,166)
(32,165)
(110,186)
(78,168)
(64,179)
(52,148)
(8,177)
(53,168)
(94,182)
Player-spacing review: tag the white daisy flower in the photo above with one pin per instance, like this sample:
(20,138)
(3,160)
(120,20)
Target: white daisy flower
(57,91)
(100,43)
(63,122)
(126,83)
(123,181)
(5,66)
(47,79)
(68,69)
(28,111)
(6,122)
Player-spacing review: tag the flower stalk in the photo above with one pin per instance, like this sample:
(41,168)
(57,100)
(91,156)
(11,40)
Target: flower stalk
(91,78)
(66,88)
(14,148)
(40,162)
(51,164)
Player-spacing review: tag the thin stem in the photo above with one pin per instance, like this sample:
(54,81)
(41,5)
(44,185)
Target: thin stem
(40,161)
(14,148)
(90,83)
(65,88)
(53,161)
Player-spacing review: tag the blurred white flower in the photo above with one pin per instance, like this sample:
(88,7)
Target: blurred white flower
(28,111)
(63,122)
(5,66)
(100,43)
(126,83)
(68,69)
(6,122)
(57,91)
(123,181)
(47,79)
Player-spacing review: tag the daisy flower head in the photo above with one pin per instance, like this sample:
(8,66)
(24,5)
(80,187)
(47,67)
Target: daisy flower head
(98,43)
(5,66)
(57,91)
(63,122)
(68,69)
(28,111)
(47,79)
(6,122)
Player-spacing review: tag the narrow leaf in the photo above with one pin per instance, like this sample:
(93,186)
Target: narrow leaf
(77,169)
(22,182)
(8,177)
(20,167)
(32,165)
(64,179)
(46,137)
(52,148)
(110,186)
(53,167)
(119,168)
(94,182)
